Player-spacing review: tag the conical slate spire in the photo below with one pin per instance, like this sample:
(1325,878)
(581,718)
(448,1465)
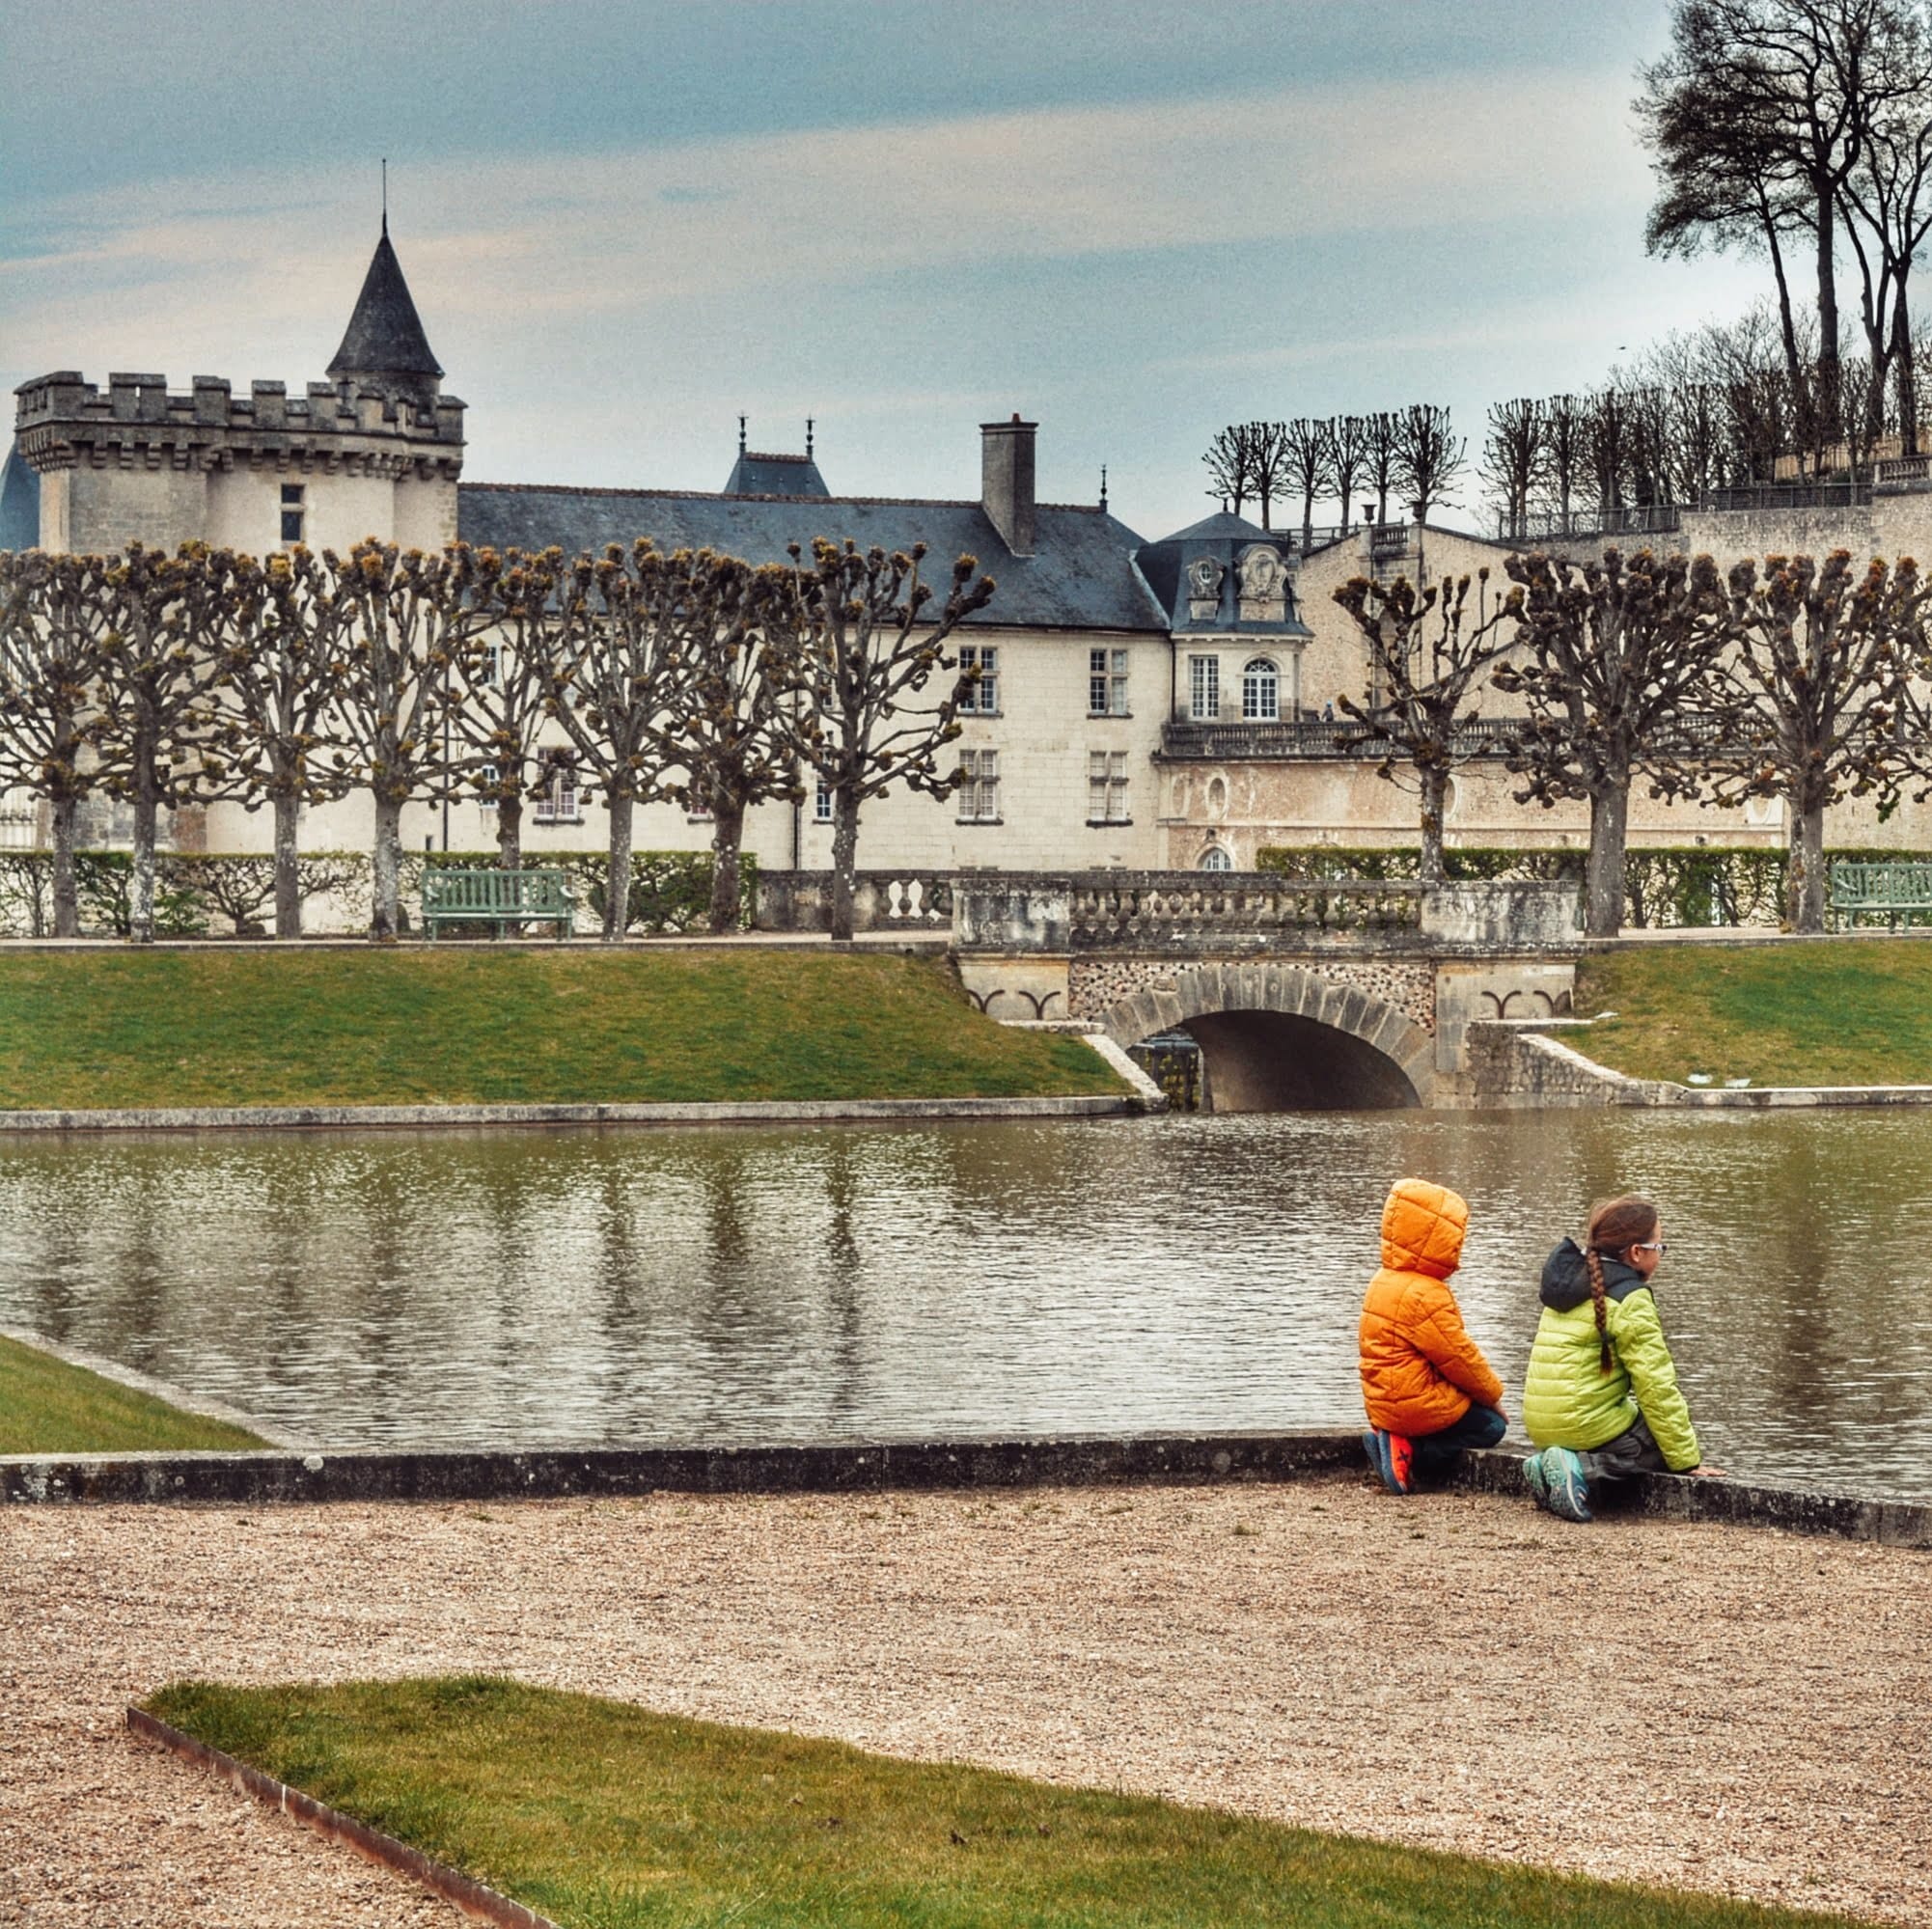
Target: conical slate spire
(385,346)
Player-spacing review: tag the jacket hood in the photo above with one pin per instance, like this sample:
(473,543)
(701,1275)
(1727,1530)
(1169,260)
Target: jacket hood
(1566,1277)
(1422,1228)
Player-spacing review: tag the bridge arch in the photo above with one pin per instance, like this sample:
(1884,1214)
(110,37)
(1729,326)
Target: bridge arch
(1275,1037)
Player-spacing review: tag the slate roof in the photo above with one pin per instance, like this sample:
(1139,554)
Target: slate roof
(1081,575)
(756,475)
(19,503)
(385,334)
(1224,538)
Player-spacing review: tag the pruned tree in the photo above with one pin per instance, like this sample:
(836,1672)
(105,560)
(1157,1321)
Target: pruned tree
(1428,653)
(52,610)
(1609,658)
(1428,455)
(1383,461)
(160,737)
(1512,461)
(397,612)
(1270,464)
(1308,452)
(1562,454)
(867,643)
(1606,441)
(279,651)
(1349,460)
(499,655)
(1229,466)
(1817,677)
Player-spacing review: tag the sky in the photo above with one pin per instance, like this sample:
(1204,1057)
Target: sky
(626,224)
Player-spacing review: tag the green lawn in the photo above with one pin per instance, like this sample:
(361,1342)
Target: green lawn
(602,1816)
(48,1407)
(1833,1011)
(187,1027)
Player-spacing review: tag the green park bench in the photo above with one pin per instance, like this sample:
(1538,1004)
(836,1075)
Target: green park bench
(498,897)
(1897,892)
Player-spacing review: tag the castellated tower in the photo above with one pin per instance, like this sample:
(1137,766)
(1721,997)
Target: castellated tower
(374,450)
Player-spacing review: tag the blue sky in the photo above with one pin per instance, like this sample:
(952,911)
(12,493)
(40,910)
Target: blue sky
(623,224)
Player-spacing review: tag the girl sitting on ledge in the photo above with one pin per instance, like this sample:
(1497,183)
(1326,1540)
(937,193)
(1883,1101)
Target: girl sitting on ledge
(1428,1390)
(1601,1397)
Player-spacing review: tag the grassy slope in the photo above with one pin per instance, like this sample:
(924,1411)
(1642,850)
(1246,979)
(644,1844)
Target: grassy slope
(48,1407)
(1836,1012)
(603,1816)
(183,1027)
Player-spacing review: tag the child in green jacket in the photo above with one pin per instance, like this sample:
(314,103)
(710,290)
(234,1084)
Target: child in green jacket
(1601,1397)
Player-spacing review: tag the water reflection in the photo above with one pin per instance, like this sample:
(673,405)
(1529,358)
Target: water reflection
(585,1285)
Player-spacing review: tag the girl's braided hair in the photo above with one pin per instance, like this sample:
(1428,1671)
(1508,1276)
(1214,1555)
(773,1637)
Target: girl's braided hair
(1615,1224)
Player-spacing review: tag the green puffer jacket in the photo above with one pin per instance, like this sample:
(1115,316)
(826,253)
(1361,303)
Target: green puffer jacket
(1568,1399)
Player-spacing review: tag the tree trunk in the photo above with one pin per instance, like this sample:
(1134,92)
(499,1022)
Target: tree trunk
(1908,375)
(141,892)
(617,890)
(845,862)
(728,834)
(67,895)
(1435,796)
(1829,427)
(509,833)
(288,866)
(1805,879)
(1603,881)
(386,865)
(1794,366)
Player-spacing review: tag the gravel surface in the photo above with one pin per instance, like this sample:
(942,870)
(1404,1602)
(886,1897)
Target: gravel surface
(1714,1707)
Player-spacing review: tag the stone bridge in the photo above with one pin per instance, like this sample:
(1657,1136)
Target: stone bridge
(1298,995)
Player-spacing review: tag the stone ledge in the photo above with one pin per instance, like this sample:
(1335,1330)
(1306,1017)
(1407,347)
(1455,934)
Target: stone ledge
(852,1467)
(749,1111)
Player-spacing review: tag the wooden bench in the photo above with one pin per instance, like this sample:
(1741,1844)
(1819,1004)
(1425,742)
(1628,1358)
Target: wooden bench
(1897,892)
(498,897)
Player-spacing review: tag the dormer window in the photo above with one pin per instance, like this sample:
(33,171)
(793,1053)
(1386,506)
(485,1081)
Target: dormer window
(293,510)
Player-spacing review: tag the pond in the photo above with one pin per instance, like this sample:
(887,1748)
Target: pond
(526,1287)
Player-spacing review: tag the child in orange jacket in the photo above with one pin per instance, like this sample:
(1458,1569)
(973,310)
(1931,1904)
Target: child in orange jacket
(1428,1390)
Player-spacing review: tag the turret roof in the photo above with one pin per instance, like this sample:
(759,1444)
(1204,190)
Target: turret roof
(385,334)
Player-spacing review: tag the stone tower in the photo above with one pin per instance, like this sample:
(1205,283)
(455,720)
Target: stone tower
(374,450)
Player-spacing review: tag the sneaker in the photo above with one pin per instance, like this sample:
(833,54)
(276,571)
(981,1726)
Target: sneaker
(1537,1479)
(1390,1454)
(1569,1494)
(1401,1463)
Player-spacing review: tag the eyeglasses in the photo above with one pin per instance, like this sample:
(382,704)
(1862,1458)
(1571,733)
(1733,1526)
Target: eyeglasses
(1657,1246)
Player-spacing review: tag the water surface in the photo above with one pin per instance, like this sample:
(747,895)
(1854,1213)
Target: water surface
(627,1287)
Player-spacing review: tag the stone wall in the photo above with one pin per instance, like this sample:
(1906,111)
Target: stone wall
(1409,984)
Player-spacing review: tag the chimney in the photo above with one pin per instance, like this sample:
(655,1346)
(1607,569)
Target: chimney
(1007,480)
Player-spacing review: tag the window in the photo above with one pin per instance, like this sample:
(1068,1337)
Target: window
(1260,693)
(979,787)
(821,803)
(1106,785)
(293,509)
(984,696)
(1204,688)
(1106,682)
(557,800)
(1214,858)
(486,797)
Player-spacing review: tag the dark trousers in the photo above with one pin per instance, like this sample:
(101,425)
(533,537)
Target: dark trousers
(1610,1466)
(1436,1453)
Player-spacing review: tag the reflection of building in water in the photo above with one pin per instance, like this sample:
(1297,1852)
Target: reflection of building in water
(1141,704)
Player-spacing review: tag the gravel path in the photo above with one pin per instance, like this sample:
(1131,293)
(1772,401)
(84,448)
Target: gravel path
(1726,1709)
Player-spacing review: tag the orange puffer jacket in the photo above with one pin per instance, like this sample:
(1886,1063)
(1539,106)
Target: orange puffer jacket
(1421,1370)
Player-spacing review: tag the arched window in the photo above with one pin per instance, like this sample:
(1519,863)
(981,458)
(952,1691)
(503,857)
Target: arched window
(1260,692)
(1215,858)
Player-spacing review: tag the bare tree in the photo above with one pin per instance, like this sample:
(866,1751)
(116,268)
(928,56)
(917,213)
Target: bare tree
(280,681)
(160,737)
(1428,455)
(1309,456)
(1512,461)
(866,643)
(1270,464)
(398,612)
(1563,454)
(1383,461)
(1606,439)
(1349,460)
(1229,466)
(1610,657)
(52,622)
(1423,678)
(1818,678)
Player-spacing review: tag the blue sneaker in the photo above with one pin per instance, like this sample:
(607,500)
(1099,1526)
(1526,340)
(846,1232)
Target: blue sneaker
(1569,1493)
(1536,1477)
(1374,1444)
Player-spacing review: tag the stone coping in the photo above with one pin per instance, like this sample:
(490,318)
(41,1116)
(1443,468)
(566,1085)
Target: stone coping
(877,1466)
(695,1112)
(477,1900)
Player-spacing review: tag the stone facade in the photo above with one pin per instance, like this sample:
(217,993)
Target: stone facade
(1409,984)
